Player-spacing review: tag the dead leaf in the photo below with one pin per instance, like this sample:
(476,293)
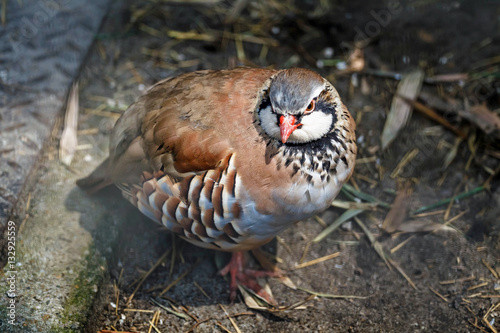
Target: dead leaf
(69,140)
(400,112)
(422,226)
(398,210)
(487,120)
(452,153)
(255,301)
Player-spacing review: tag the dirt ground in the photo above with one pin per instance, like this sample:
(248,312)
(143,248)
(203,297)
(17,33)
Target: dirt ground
(454,272)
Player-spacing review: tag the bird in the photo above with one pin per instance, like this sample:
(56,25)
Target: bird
(227,159)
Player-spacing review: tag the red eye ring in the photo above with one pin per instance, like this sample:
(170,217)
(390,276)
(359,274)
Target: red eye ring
(310,107)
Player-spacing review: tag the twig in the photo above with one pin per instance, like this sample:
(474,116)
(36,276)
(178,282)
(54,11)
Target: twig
(376,245)
(492,271)
(231,319)
(402,272)
(325,295)
(167,288)
(439,295)
(434,116)
(145,276)
(316,261)
(175,313)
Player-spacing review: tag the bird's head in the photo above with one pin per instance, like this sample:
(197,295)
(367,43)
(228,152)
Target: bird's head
(300,107)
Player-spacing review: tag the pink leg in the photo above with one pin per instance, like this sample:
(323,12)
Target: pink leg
(246,277)
(234,266)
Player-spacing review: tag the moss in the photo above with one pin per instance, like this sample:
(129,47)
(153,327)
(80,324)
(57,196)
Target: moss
(4,326)
(80,302)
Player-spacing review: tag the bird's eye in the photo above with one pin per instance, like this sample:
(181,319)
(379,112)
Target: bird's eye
(310,107)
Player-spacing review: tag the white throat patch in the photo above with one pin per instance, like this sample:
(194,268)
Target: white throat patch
(314,126)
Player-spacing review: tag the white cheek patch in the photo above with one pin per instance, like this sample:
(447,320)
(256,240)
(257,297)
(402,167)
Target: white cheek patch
(268,123)
(314,126)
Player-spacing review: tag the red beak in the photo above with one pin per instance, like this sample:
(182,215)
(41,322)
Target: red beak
(287,126)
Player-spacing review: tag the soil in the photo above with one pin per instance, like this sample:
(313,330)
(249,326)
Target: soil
(453,286)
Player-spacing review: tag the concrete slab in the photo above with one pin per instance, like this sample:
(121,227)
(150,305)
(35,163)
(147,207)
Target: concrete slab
(57,272)
(43,46)
(52,272)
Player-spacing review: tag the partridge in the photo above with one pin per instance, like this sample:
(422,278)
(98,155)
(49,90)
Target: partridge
(228,159)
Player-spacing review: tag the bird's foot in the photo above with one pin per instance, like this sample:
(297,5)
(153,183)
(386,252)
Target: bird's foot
(240,275)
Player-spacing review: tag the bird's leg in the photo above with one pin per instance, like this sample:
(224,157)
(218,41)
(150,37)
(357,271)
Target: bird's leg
(234,266)
(246,277)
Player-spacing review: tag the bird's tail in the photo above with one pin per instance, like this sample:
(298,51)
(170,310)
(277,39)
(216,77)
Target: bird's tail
(97,180)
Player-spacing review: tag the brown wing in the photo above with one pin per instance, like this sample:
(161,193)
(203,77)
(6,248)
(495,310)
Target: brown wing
(182,125)
(182,207)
